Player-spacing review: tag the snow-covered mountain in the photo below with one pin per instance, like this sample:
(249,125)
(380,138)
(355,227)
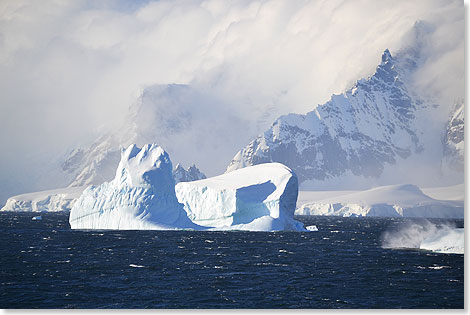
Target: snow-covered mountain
(366,133)
(192,173)
(94,164)
(375,125)
(180,118)
(453,140)
(361,130)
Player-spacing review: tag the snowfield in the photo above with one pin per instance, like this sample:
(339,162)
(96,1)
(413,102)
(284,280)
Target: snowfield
(142,196)
(385,201)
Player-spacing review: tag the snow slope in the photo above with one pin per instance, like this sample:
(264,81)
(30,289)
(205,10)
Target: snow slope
(261,198)
(456,192)
(385,201)
(60,199)
(141,196)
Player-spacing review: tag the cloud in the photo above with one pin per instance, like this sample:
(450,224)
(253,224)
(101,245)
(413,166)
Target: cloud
(70,69)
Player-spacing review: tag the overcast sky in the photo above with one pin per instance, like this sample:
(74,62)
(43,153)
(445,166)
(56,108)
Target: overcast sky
(70,69)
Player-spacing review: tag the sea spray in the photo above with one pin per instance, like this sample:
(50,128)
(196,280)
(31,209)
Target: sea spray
(423,234)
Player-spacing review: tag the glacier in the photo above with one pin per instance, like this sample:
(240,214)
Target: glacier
(143,195)
(404,200)
(256,198)
(61,199)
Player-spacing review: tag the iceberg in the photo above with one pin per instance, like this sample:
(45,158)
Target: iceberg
(255,198)
(312,228)
(141,196)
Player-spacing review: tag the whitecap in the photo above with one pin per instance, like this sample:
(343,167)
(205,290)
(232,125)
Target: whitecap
(438,267)
(136,266)
(312,228)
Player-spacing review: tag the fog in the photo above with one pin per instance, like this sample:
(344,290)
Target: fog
(70,70)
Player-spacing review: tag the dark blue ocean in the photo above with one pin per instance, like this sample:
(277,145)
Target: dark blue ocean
(45,264)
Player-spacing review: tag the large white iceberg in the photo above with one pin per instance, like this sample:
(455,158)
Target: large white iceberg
(141,196)
(256,198)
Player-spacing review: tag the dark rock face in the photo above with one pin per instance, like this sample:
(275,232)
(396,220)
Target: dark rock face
(359,131)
